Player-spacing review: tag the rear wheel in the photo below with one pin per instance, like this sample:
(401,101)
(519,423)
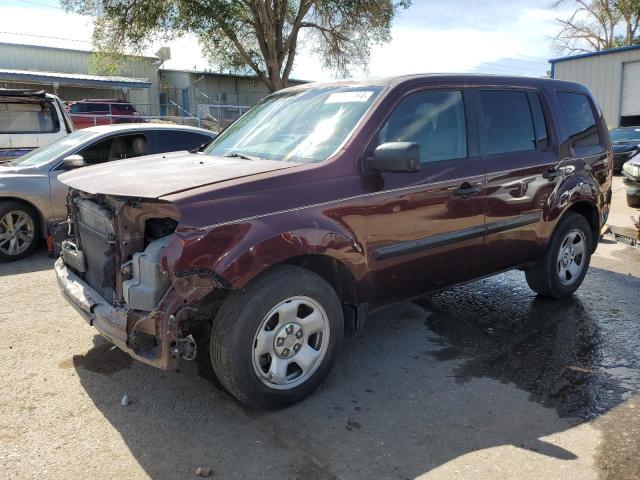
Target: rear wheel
(19,232)
(633,200)
(566,259)
(273,342)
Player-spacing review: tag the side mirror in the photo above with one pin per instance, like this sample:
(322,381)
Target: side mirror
(73,161)
(396,157)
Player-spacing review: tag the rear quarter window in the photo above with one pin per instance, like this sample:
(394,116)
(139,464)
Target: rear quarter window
(579,116)
(28,117)
(124,108)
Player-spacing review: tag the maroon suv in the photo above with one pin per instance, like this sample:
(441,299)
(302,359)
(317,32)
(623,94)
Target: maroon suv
(326,201)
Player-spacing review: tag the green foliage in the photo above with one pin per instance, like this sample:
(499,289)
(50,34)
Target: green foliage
(259,36)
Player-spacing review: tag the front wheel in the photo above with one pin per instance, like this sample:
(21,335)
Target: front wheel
(566,259)
(633,200)
(19,232)
(273,342)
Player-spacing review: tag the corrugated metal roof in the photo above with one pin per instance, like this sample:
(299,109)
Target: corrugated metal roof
(593,54)
(73,78)
(69,49)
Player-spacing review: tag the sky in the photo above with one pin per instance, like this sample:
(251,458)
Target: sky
(486,36)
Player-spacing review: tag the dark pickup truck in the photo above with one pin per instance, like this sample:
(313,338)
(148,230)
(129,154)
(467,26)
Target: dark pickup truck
(326,201)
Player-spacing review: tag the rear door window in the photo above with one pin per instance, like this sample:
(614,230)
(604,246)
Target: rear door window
(435,120)
(581,121)
(506,123)
(28,117)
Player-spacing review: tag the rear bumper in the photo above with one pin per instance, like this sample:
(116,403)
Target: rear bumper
(111,322)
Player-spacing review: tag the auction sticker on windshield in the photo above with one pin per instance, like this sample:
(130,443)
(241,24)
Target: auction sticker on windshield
(349,97)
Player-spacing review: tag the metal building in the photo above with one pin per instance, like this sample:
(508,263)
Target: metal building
(212,97)
(67,73)
(614,78)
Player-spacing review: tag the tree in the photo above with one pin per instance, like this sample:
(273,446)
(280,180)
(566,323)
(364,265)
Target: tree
(259,36)
(597,25)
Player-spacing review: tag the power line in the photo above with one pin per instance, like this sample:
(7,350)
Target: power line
(539,62)
(41,4)
(529,56)
(510,67)
(45,36)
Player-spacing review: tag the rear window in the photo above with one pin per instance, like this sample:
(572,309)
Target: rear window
(20,117)
(577,111)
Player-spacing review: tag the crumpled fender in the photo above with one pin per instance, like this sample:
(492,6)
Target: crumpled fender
(231,255)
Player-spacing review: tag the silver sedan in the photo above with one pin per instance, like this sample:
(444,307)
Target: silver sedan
(31,197)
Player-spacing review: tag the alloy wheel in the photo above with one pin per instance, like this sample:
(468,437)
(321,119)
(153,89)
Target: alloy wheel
(17,231)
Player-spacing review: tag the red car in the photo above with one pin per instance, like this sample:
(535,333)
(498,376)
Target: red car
(88,112)
(326,201)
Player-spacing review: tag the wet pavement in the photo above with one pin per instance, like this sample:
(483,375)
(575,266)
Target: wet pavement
(481,381)
(580,355)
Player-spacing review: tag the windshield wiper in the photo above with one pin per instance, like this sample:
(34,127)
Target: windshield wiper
(201,147)
(241,155)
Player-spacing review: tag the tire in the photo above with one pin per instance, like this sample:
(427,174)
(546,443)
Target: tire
(554,276)
(18,243)
(633,201)
(288,323)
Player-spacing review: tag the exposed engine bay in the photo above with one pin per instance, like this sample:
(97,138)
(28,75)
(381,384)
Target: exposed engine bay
(115,245)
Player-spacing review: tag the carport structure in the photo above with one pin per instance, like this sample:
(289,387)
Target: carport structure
(73,86)
(77,74)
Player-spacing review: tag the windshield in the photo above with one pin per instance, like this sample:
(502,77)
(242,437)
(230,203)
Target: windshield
(46,154)
(625,135)
(299,126)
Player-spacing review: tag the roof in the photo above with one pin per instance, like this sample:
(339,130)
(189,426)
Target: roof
(594,54)
(435,77)
(19,92)
(221,74)
(100,100)
(74,78)
(143,126)
(76,50)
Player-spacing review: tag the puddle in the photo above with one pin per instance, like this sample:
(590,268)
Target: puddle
(579,355)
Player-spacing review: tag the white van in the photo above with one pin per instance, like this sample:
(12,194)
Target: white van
(30,119)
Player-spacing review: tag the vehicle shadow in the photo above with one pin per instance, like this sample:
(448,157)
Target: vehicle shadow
(37,262)
(477,366)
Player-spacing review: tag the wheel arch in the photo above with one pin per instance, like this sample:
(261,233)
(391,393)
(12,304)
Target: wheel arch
(589,211)
(236,254)
(42,226)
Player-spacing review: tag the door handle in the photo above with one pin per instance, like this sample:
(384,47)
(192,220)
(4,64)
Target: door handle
(552,173)
(466,190)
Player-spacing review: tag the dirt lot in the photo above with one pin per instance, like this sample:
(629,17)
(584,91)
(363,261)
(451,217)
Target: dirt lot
(480,381)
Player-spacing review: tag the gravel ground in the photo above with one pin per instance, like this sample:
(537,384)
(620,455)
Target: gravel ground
(479,381)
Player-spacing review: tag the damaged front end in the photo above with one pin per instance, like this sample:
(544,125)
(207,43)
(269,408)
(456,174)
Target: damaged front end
(113,269)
